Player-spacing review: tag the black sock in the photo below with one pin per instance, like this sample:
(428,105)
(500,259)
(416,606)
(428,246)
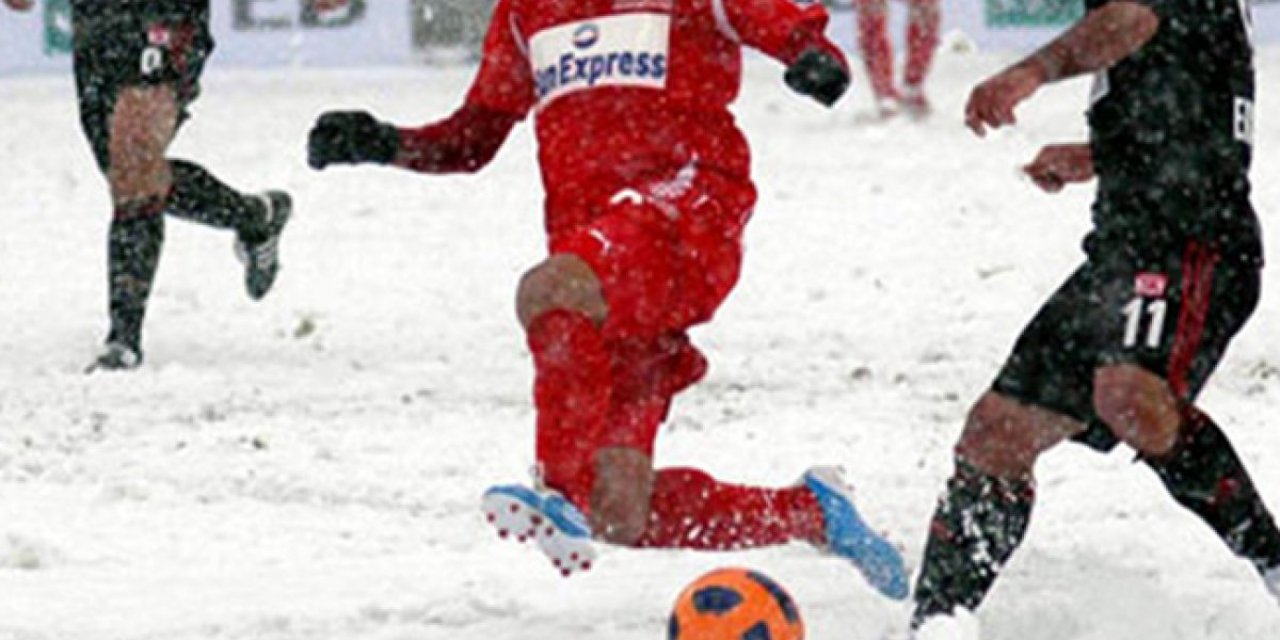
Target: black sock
(977,525)
(133,253)
(1204,474)
(200,197)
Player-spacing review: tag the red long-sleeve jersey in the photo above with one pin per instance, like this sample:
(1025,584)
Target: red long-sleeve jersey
(622,91)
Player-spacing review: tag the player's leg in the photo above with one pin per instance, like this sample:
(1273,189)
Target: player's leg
(983,514)
(562,305)
(172,62)
(1189,313)
(877,51)
(134,76)
(688,508)
(923,20)
(1041,396)
(695,256)
(1205,475)
(198,196)
(140,127)
(129,113)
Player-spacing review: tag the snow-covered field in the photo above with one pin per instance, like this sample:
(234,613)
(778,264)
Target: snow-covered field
(310,466)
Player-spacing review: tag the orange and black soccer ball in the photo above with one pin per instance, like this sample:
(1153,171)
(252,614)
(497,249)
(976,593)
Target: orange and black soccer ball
(735,604)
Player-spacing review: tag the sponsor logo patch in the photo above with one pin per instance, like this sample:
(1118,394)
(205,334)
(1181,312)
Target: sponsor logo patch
(1151,285)
(629,50)
(158,35)
(586,36)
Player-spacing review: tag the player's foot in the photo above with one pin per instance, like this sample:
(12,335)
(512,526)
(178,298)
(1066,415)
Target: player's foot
(560,529)
(1272,579)
(261,257)
(915,103)
(960,626)
(850,537)
(888,106)
(116,356)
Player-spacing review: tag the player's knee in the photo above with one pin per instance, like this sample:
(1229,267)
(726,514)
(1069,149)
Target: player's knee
(620,496)
(999,437)
(1138,407)
(563,281)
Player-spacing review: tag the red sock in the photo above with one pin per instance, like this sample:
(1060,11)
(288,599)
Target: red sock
(691,510)
(877,49)
(922,39)
(571,393)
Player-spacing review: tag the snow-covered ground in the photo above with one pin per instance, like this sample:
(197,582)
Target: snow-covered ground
(310,466)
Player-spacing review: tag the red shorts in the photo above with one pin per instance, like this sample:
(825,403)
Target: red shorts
(667,252)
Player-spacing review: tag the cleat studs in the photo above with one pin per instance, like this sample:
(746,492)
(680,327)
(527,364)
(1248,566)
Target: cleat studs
(536,520)
(573,557)
(515,508)
(566,573)
(503,533)
(551,531)
(491,517)
(586,566)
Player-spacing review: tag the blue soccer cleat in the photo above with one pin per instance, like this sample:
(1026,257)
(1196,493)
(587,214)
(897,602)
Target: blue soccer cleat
(560,529)
(849,537)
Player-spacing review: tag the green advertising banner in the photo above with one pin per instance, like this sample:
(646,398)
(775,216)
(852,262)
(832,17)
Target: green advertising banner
(57,27)
(1032,13)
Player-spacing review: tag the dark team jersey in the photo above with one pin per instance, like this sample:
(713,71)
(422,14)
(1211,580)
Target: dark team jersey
(1172,128)
(195,10)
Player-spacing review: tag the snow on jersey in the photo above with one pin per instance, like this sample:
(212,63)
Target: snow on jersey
(625,92)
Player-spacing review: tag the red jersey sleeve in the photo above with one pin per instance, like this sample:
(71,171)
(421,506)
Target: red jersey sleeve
(781,29)
(463,142)
(501,94)
(505,80)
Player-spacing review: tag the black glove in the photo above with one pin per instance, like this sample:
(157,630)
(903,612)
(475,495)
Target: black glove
(351,137)
(818,74)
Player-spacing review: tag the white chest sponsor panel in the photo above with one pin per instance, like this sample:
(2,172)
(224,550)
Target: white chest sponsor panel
(629,50)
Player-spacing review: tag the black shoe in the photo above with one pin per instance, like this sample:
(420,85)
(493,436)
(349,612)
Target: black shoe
(116,356)
(261,258)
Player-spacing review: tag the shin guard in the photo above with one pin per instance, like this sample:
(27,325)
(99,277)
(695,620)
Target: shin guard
(978,524)
(133,254)
(571,392)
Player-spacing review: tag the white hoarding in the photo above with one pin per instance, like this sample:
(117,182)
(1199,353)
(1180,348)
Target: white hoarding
(380,32)
(248,33)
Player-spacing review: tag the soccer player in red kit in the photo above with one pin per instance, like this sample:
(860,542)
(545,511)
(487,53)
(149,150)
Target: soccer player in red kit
(647,191)
(923,18)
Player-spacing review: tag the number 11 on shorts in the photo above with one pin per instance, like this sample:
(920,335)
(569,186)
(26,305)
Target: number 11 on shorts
(1152,308)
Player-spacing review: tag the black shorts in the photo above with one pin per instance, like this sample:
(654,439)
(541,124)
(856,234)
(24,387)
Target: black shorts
(1172,315)
(134,48)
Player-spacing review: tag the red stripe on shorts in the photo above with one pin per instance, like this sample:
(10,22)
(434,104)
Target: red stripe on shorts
(1197,285)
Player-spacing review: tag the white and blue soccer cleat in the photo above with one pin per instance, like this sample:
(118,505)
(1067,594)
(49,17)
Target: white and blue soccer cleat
(849,536)
(560,529)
